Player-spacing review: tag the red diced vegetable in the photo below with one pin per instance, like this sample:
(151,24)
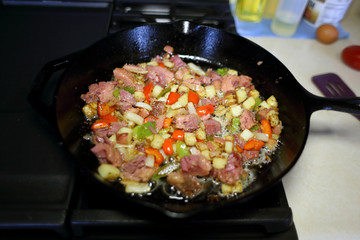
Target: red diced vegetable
(205,110)
(147,91)
(193,97)
(253,144)
(266,127)
(168,146)
(173,97)
(154,152)
(178,135)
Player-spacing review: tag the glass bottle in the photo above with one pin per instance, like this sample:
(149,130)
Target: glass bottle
(250,10)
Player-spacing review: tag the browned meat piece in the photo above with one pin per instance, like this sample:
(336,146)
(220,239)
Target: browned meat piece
(186,183)
(125,77)
(159,76)
(247,120)
(227,85)
(102,91)
(107,153)
(136,170)
(187,122)
(178,62)
(212,127)
(250,155)
(232,171)
(158,108)
(196,165)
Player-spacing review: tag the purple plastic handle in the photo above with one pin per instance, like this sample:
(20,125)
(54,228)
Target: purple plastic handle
(332,86)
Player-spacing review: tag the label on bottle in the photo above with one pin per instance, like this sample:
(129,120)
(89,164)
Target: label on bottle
(318,12)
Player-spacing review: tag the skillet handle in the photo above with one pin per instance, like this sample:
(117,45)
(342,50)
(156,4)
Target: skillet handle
(349,105)
(43,92)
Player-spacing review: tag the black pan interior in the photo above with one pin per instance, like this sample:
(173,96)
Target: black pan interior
(207,47)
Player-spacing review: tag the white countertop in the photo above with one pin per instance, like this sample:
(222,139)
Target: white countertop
(323,189)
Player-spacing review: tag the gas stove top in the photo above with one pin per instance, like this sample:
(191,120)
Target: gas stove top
(42,194)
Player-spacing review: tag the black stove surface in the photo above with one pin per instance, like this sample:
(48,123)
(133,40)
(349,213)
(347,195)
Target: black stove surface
(42,196)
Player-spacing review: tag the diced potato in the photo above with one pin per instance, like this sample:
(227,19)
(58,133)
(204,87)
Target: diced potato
(152,63)
(174,88)
(229,138)
(229,146)
(162,99)
(200,134)
(90,110)
(236,110)
(150,161)
(210,91)
(246,134)
(181,102)
(206,154)
(232,72)
(228,116)
(201,92)
(201,146)
(249,103)
(196,69)
(157,141)
(108,171)
(168,64)
(183,88)
(189,139)
(219,163)
(229,100)
(139,96)
(241,95)
(136,187)
(220,111)
(156,91)
(254,93)
(273,118)
(264,104)
(272,102)
(112,138)
(187,76)
(229,189)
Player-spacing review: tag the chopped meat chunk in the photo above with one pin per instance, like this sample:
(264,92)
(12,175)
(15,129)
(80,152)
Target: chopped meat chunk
(212,127)
(196,165)
(186,183)
(187,122)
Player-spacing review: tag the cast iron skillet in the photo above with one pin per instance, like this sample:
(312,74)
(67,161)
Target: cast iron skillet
(208,47)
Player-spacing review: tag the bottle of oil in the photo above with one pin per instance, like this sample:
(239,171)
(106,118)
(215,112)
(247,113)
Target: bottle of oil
(250,10)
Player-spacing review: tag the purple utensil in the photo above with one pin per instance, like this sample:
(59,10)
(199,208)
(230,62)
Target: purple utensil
(332,86)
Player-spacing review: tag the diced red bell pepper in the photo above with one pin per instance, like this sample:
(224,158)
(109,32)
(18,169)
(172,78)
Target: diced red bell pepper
(254,144)
(147,91)
(154,152)
(173,97)
(205,110)
(193,97)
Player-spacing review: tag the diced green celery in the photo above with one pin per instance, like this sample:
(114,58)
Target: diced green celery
(235,122)
(257,102)
(254,128)
(181,149)
(222,71)
(165,170)
(116,92)
(163,92)
(140,132)
(129,89)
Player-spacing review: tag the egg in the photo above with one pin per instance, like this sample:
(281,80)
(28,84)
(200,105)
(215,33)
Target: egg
(327,33)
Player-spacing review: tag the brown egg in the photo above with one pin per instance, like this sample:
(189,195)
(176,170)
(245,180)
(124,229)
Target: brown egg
(327,33)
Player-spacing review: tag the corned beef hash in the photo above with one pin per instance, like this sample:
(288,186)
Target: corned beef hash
(171,124)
